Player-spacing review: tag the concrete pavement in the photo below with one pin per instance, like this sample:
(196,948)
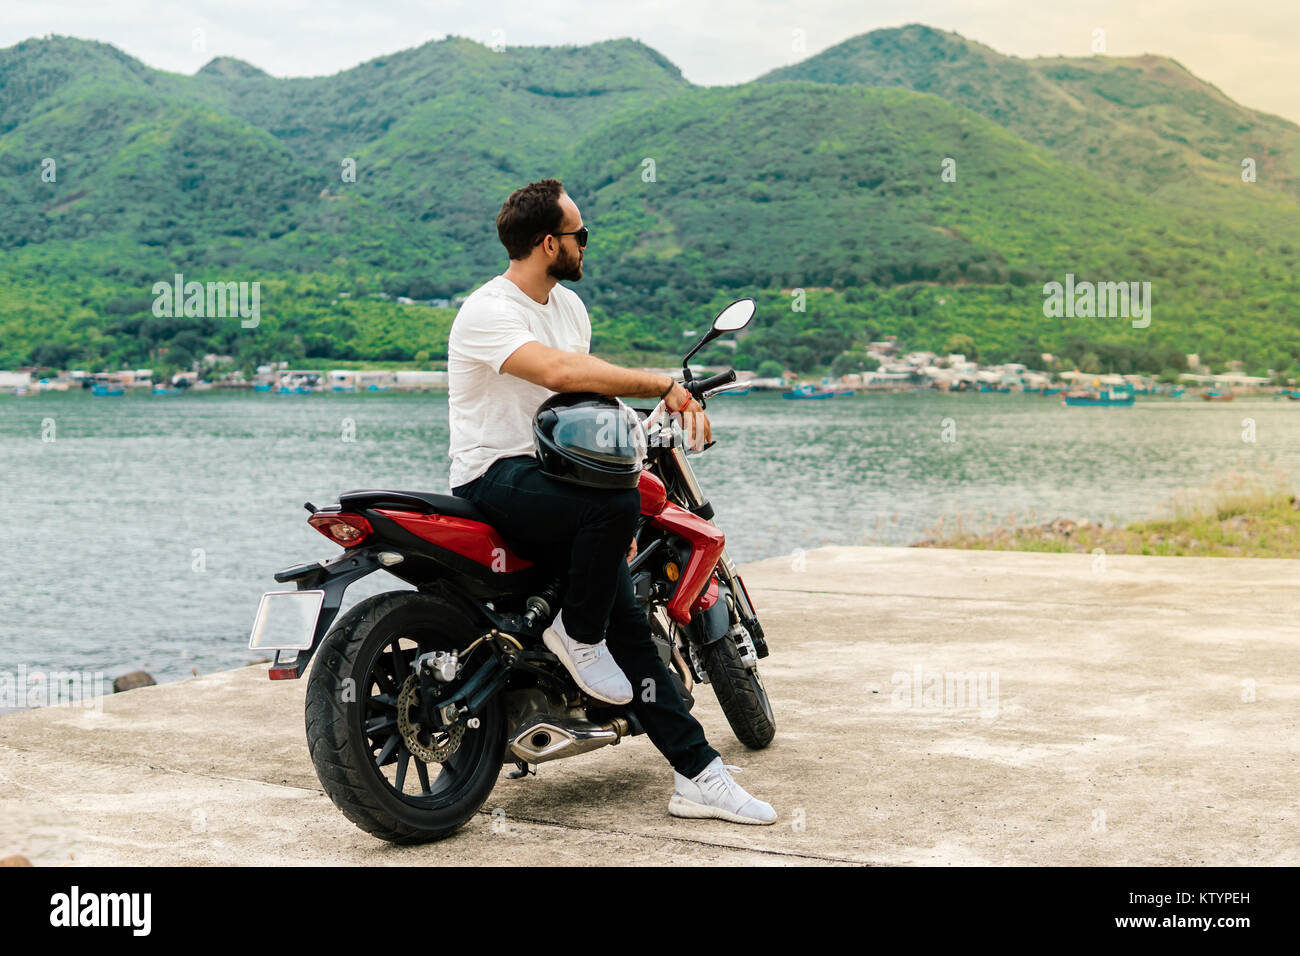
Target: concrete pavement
(933,707)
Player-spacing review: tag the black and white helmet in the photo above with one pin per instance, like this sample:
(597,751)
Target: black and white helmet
(589,439)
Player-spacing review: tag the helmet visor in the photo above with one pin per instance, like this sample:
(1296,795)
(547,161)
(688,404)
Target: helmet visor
(610,435)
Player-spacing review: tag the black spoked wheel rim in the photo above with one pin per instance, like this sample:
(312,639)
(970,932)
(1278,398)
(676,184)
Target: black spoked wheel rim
(420,784)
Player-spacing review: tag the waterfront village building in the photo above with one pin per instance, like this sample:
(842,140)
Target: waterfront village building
(412,378)
(1227,380)
(402,379)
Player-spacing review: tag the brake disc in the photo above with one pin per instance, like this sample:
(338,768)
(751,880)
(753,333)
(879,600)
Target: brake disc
(433,751)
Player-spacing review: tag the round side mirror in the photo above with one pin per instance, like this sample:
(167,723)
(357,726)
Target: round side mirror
(735,316)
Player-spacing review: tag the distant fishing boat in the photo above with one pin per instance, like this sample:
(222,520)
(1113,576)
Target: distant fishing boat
(343,388)
(1048,391)
(105,391)
(1213,396)
(1105,398)
(164,390)
(1177,392)
(376,388)
(806,391)
(845,393)
(262,387)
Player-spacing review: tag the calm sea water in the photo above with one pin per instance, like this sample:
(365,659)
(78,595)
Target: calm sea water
(143,534)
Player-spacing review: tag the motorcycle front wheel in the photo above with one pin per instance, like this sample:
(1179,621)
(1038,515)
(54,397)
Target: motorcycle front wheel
(741,694)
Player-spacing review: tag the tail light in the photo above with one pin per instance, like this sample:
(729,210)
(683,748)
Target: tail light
(342,527)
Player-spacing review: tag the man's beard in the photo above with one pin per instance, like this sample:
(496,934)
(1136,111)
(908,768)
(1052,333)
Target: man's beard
(566,269)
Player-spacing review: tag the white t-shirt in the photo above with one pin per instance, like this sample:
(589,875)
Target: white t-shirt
(491,413)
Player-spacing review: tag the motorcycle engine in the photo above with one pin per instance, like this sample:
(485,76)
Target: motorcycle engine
(528,702)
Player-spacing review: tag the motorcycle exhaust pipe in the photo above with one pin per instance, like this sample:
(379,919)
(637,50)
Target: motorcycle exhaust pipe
(543,737)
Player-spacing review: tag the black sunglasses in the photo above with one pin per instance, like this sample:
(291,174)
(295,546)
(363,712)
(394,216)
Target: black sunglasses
(580,235)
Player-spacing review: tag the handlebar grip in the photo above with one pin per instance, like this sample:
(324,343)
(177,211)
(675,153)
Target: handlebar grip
(700,386)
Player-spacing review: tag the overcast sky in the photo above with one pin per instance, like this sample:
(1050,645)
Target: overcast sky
(1251,51)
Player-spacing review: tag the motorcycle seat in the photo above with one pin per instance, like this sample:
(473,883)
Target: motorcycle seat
(423,502)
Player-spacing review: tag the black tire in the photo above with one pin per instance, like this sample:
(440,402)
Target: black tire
(741,693)
(348,708)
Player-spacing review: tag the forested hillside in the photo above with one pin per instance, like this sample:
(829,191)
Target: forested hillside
(824,176)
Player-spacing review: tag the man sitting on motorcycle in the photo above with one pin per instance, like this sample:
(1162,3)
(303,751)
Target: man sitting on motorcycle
(516,340)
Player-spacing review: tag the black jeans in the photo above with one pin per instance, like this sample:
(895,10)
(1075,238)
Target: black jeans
(584,534)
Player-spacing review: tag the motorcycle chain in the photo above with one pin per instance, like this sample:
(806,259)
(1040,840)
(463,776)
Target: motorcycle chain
(410,729)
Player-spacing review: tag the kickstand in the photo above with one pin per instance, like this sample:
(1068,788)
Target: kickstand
(521,770)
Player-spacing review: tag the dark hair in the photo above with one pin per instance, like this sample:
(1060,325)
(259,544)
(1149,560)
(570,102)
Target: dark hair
(528,215)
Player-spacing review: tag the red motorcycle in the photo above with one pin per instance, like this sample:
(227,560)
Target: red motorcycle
(419,696)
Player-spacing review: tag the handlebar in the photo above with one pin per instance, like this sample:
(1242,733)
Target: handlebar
(699,387)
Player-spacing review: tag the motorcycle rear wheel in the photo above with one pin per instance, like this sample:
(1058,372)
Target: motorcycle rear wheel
(361,757)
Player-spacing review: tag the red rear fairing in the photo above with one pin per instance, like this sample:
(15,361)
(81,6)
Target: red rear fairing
(470,539)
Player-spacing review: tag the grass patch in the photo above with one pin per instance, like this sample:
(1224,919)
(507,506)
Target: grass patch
(1240,515)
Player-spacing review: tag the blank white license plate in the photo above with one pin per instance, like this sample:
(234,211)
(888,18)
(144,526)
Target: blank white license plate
(286,620)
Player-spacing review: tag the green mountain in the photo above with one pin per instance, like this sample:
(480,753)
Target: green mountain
(838,188)
(1143,121)
(437,135)
(824,176)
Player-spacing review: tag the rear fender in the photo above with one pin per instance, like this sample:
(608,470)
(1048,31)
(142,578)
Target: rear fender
(333,577)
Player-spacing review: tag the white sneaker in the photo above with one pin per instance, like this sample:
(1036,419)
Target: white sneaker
(591,665)
(712,793)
